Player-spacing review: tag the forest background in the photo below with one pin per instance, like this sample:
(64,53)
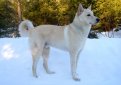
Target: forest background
(56,12)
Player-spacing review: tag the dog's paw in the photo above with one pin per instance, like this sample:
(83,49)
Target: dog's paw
(76,78)
(51,72)
(35,76)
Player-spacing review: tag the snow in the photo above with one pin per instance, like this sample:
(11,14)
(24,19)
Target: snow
(110,34)
(117,34)
(99,64)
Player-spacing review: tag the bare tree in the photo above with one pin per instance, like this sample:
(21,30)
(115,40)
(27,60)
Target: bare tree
(19,10)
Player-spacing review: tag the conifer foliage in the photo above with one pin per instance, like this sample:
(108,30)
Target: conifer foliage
(56,12)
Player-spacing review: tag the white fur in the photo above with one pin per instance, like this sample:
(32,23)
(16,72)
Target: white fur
(66,35)
(24,27)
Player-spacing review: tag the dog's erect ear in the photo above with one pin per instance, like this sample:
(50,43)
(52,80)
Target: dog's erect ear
(90,7)
(80,9)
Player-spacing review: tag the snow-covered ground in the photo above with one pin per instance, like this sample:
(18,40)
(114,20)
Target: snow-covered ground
(110,34)
(99,64)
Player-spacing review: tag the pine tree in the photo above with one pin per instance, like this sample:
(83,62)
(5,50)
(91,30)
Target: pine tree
(7,18)
(109,13)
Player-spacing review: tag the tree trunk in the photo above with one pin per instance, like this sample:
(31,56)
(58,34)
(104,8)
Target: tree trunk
(19,11)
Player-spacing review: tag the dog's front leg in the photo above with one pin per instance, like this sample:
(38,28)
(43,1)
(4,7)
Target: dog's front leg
(73,60)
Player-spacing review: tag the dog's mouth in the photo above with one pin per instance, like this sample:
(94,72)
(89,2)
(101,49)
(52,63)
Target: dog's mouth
(93,24)
(96,21)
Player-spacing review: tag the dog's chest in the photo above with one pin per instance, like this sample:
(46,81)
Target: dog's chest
(74,40)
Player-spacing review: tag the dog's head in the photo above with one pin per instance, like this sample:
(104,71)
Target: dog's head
(87,15)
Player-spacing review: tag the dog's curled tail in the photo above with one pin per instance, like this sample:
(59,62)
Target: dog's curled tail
(24,27)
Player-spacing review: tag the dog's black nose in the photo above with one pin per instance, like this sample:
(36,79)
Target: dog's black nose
(97,20)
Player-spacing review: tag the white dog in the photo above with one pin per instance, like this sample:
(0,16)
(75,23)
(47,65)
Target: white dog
(71,38)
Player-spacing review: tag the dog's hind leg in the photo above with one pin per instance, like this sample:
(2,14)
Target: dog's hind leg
(34,64)
(45,55)
(36,54)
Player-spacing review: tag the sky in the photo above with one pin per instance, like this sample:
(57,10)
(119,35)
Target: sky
(99,64)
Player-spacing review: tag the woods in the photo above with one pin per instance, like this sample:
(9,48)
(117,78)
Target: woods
(57,12)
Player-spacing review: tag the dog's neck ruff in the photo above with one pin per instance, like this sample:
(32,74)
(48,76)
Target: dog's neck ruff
(72,27)
(80,25)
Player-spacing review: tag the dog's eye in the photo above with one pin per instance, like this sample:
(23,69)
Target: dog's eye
(88,15)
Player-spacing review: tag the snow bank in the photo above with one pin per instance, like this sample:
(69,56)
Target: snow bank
(111,34)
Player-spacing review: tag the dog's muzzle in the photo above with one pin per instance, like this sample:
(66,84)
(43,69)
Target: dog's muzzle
(97,20)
